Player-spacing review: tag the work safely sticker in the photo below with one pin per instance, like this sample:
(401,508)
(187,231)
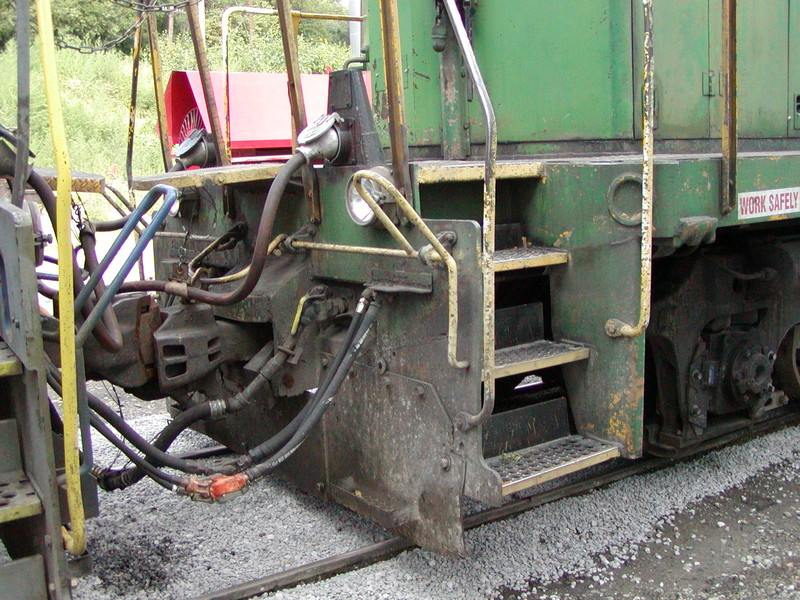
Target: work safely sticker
(769,202)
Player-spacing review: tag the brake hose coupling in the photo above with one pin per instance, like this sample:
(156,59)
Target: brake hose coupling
(216,488)
(326,137)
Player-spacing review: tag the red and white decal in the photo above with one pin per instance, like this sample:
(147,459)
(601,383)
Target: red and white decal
(753,205)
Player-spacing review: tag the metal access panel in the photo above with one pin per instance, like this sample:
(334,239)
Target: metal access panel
(555,70)
(762,67)
(793,119)
(684,82)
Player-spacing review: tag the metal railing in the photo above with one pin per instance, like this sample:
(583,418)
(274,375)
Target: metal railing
(467,421)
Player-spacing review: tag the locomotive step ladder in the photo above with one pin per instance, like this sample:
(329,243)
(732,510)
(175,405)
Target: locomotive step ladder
(532,466)
(22,578)
(528,467)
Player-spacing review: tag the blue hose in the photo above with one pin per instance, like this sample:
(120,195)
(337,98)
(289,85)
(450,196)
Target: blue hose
(170,195)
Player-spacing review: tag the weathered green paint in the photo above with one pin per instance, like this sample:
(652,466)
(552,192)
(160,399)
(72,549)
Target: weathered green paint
(556,73)
(600,281)
(763,53)
(681,57)
(574,72)
(793,123)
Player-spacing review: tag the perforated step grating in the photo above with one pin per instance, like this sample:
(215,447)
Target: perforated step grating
(531,466)
(540,354)
(18,499)
(528,258)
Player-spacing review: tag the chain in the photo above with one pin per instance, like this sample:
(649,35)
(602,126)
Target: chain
(145,6)
(142,7)
(106,45)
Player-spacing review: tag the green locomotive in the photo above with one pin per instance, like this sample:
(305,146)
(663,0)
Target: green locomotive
(550,235)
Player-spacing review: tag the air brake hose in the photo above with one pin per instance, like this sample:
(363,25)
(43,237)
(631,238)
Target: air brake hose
(258,261)
(112,480)
(324,401)
(264,450)
(164,479)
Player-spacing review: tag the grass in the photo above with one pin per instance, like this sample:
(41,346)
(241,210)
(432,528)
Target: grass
(95,94)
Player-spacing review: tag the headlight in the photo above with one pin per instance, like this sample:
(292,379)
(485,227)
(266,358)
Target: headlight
(358,209)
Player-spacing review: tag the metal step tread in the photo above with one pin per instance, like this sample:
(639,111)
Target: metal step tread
(18,499)
(439,171)
(532,356)
(531,466)
(9,363)
(528,257)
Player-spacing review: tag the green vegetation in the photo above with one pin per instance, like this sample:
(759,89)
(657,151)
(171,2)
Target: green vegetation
(95,88)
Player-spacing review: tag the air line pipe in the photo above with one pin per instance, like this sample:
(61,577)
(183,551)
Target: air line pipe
(616,327)
(75,539)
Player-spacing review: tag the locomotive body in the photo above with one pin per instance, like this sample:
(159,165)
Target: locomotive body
(548,237)
(406,437)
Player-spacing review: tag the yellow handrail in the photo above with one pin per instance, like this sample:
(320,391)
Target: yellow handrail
(74,539)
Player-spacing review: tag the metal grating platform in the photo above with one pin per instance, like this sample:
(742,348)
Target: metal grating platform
(531,466)
(9,363)
(18,499)
(540,354)
(528,258)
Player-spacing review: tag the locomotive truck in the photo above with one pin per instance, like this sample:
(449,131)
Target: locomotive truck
(551,235)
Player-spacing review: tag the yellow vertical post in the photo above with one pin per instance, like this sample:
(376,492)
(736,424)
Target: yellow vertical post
(75,539)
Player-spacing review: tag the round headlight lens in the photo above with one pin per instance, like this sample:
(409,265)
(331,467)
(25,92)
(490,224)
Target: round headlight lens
(358,209)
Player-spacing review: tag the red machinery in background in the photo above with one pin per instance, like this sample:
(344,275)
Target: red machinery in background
(260,116)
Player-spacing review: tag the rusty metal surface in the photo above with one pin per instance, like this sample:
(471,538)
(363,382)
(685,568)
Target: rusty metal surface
(195,29)
(392,59)
(533,356)
(216,175)
(469,170)
(729,107)
(81,182)
(617,327)
(158,88)
(528,258)
(529,467)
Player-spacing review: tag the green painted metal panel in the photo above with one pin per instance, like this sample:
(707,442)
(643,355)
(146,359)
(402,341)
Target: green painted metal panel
(420,73)
(762,55)
(555,71)
(680,40)
(793,120)
(601,281)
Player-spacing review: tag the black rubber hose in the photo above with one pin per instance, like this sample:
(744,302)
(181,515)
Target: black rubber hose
(164,479)
(112,225)
(260,470)
(264,450)
(258,260)
(109,319)
(117,480)
(154,455)
(42,189)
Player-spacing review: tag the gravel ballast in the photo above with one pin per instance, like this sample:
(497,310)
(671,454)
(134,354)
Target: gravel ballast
(148,544)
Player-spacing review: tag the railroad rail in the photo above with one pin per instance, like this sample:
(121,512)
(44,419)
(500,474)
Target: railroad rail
(386,549)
